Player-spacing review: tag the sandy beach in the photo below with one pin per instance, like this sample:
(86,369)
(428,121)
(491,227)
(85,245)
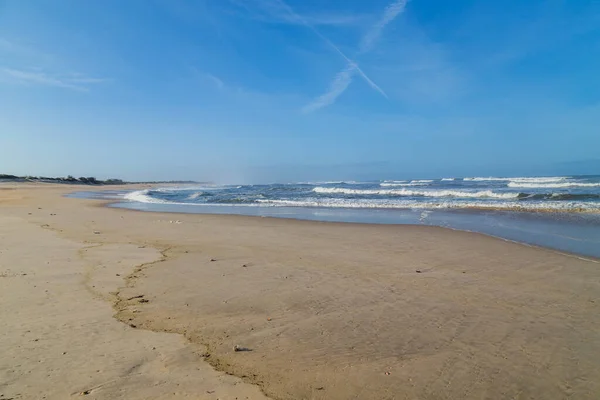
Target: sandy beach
(109,303)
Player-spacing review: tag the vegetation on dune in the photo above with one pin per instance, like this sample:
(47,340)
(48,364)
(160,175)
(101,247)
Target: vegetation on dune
(89,180)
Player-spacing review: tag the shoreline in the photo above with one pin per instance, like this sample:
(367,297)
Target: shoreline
(294,291)
(567,194)
(109,204)
(114,204)
(516,209)
(471,220)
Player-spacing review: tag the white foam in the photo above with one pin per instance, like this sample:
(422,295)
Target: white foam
(419,193)
(447,179)
(422,181)
(481,179)
(546,179)
(572,206)
(328,183)
(142,196)
(517,184)
(533,179)
(389,184)
(175,189)
(195,195)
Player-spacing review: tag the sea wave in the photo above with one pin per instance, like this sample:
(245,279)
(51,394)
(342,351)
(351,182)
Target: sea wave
(572,206)
(422,181)
(327,183)
(532,179)
(176,189)
(542,202)
(517,184)
(195,195)
(482,179)
(447,179)
(147,196)
(545,179)
(418,193)
(144,196)
(390,184)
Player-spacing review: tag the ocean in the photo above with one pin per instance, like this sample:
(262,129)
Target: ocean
(561,212)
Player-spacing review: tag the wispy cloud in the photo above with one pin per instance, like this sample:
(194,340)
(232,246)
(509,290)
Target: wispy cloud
(218,82)
(45,72)
(335,90)
(5,44)
(76,81)
(23,50)
(208,77)
(13,47)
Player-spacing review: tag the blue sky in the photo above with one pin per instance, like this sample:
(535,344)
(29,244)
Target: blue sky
(279,90)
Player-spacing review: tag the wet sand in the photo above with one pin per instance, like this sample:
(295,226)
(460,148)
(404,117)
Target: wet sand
(326,310)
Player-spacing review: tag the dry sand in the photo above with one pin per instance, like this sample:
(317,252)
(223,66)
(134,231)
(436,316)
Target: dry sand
(329,311)
(58,337)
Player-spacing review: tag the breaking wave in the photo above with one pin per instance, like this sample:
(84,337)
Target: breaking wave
(412,204)
(417,193)
(143,196)
(518,179)
(195,195)
(564,194)
(532,185)
(390,184)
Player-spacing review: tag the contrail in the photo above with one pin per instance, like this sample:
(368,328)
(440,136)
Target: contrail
(389,14)
(350,62)
(339,84)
